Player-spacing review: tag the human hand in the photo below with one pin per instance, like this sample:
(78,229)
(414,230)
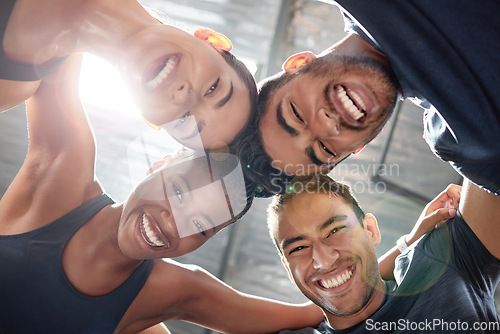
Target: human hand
(436,212)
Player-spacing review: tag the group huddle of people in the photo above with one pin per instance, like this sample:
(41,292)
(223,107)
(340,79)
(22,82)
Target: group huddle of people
(75,261)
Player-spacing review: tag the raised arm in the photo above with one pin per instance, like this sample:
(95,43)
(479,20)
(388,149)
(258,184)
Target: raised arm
(441,208)
(186,292)
(58,172)
(216,305)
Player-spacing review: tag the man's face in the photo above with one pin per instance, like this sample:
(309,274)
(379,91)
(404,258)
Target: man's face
(333,106)
(329,254)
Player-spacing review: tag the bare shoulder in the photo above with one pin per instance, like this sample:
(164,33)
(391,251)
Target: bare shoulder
(172,281)
(168,288)
(13,93)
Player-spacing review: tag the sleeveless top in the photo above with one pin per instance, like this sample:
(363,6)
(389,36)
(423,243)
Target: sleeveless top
(36,296)
(11,70)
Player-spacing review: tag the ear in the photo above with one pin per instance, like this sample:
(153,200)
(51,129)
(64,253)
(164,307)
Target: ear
(285,264)
(217,40)
(157,165)
(297,61)
(371,228)
(359,149)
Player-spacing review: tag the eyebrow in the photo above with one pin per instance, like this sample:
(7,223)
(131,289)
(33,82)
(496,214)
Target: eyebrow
(331,221)
(186,183)
(287,242)
(226,98)
(282,122)
(210,221)
(312,156)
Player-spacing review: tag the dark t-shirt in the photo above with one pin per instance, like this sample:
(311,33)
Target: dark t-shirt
(446,56)
(444,284)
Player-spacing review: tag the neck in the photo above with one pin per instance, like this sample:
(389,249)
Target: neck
(92,260)
(376,299)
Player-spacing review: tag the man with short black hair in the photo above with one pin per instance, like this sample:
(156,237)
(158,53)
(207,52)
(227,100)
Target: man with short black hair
(444,282)
(444,55)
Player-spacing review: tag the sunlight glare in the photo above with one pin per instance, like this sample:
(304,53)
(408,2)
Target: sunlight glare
(102,86)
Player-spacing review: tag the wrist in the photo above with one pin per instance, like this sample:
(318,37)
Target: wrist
(402,244)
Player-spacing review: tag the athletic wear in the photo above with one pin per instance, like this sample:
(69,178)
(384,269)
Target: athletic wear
(36,296)
(11,70)
(446,56)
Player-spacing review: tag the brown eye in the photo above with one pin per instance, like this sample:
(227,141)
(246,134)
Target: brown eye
(296,113)
(327,150)
(213,87)
(199,227)
(296,249)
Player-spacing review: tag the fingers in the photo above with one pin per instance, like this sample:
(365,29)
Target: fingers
(448,198)
(453,192)
(438,217)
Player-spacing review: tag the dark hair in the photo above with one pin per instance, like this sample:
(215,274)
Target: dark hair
(256,163)
(249,82)
(318,183)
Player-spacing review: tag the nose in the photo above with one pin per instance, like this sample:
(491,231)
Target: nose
(325,124)
(324,256)
(169,222)
(183,93)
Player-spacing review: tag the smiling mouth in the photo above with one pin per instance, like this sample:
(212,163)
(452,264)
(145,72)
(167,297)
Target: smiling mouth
(351,102)
(340,279)
(162,72)
(150,234)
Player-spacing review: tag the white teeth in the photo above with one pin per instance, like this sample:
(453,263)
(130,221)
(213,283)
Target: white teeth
(348,103)
(334,282)
(163,74)
(357,98)
(150,237)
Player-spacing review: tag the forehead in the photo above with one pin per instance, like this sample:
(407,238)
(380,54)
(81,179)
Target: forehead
(303,213)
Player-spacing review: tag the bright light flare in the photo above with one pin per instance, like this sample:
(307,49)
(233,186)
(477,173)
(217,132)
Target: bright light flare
(101,85)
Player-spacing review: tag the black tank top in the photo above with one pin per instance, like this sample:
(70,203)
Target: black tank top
(11,70)
(36,296)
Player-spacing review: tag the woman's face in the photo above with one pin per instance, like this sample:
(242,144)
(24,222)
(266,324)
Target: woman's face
(174,211)
(174,75)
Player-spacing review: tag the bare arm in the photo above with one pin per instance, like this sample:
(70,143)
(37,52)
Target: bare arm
(13,93)
(61,152)
(481,210)
(216,305)
(436,212)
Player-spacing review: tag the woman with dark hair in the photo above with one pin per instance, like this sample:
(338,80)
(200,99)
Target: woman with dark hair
(188,83)
(74,261)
